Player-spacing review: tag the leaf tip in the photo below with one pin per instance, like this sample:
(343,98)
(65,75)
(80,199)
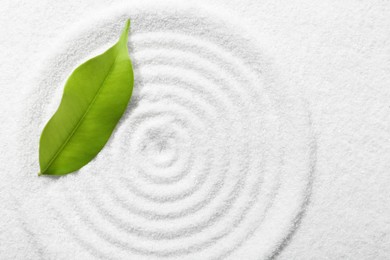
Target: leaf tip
(127,25)
(125,32)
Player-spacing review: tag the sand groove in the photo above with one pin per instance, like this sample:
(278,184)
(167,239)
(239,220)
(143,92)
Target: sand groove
(210,158)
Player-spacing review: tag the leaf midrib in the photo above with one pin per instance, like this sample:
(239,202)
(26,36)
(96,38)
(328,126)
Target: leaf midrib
(81,119)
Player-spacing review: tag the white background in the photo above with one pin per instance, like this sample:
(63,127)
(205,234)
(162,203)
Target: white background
(336,52)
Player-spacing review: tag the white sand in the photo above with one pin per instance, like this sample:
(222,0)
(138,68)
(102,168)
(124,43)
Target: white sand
(247,138)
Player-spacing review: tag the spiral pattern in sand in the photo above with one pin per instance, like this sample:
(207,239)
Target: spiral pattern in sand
(213,158)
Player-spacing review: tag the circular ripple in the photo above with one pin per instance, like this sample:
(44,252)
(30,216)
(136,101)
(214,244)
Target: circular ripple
(213,158)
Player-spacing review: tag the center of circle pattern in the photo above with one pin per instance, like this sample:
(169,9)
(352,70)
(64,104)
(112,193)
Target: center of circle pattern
(199,163)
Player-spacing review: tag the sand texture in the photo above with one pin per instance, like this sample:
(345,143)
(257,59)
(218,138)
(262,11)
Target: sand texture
(255,131)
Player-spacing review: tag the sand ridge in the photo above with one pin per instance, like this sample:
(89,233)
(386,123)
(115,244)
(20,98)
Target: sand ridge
(213,159)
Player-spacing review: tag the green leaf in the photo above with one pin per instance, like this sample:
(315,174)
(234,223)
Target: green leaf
(95,97)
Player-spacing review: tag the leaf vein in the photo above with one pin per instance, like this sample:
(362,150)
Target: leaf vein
(80,121)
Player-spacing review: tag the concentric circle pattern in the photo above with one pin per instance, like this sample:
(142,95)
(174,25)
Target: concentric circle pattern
(212,160)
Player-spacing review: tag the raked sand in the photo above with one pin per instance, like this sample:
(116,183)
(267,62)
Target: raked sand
(216,157)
